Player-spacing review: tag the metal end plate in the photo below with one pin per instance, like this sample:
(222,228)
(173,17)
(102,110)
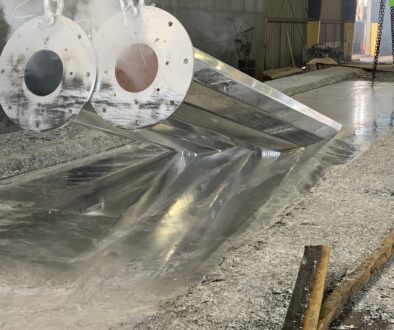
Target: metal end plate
(39,109)
(145,68)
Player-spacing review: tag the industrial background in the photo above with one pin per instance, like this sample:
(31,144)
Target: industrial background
(280,25)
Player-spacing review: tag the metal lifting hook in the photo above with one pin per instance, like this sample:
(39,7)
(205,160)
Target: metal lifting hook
(50,13)
(129,5)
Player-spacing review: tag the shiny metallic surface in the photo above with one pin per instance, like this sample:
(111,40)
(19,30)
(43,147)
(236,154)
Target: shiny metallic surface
(115,236)
(256,105)
(221,99)
(160,31)
(225,105)
(64,38)
(146,64)
(239,134)
(194,130)
(365,113)
(179,137)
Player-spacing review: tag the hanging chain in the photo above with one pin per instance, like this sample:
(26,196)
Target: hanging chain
(48,7)
(50,14)
(378,40)
(128,6)
(392,31)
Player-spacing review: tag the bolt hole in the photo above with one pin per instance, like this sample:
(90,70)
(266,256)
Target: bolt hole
(88,74)
(186,61)
(167,63)
(79,36)
(104,110)
(170,24)
(71,73)
(158,90)
(136,102)
(172,102)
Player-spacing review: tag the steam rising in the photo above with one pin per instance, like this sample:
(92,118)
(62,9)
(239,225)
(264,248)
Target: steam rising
(90,14)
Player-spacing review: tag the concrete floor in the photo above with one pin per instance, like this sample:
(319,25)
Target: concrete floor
(99,245)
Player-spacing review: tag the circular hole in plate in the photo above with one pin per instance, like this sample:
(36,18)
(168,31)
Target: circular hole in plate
(43,72)
(136,68)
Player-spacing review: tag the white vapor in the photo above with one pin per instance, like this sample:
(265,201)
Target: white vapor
(90,14)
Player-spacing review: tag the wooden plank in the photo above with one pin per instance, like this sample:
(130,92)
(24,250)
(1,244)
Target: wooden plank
(352,284)
(311,319)
(324,61)
(304,309)
(281,73)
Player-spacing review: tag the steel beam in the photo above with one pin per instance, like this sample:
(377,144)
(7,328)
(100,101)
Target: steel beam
(225,107)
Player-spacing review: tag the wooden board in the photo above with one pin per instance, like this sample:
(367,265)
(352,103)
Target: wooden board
(281,73)
(303,312)
(354,282)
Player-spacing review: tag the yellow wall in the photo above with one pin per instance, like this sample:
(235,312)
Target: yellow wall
(313,33)
(374,36)
(348,40)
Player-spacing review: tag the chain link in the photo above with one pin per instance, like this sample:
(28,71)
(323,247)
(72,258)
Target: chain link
(378,40)
(126,6)
(129,6)
(392,31)
(48,7)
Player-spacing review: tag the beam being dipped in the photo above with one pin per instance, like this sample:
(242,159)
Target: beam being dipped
(152,83)
(241,98)
(225,107)
(194,96)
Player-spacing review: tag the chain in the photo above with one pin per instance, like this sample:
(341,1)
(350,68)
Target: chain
(48,7)
(129,6)
(378,40)
(392,30)
(50,14)
(126,6)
